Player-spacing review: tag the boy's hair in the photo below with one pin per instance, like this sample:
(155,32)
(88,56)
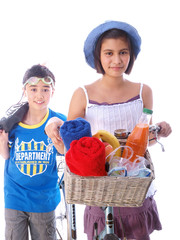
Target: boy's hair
(38,71)
(113,33)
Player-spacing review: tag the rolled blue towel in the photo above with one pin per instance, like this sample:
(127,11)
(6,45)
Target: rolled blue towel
(74,130)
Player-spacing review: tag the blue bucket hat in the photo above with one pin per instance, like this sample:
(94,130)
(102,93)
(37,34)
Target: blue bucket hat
(91,40)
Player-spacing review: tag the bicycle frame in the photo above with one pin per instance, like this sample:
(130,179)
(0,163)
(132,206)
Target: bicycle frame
(108,232)
(72,222)
(70,215)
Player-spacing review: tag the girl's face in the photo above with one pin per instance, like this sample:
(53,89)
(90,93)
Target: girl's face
(39,95)
(115,56)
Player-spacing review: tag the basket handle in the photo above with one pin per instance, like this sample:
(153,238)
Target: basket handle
(122,148)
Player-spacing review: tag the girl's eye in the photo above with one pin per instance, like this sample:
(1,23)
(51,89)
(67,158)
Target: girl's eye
(124,52)
(108,53)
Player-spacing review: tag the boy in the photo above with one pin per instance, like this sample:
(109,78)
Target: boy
(30,186)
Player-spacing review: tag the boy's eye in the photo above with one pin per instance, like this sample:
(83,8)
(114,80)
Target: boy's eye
(45,90)
(33,89)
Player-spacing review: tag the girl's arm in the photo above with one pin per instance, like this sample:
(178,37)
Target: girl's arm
(148,103)
(147,97)
(77,105)
(4,148)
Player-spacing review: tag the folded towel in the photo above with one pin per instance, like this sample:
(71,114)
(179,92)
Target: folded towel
(74,130)
(86,157)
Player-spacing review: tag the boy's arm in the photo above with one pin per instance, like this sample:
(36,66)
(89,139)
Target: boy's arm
(52,130)
(4,148)
(76,109)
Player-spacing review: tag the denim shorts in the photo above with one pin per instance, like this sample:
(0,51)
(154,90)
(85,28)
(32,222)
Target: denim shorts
(42,226)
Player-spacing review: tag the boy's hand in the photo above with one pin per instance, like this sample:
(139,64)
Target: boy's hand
(4,149)
(52,130)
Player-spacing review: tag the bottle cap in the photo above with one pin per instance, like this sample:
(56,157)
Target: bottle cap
(147,111)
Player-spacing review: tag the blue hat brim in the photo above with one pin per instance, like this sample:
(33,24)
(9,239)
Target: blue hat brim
(91,40)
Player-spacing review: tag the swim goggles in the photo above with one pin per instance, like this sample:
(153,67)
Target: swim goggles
(35,80)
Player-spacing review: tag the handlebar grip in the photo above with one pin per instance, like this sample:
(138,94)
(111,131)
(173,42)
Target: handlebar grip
(158,129)
(154,128)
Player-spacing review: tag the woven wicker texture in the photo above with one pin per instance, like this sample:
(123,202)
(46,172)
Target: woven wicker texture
(108,190)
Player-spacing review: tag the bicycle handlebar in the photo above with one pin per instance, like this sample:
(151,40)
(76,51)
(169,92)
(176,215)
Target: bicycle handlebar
(154,128)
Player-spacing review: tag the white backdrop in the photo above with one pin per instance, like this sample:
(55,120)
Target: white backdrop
(53,32)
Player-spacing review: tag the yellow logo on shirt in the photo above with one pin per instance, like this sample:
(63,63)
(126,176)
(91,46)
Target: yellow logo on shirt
(32,157)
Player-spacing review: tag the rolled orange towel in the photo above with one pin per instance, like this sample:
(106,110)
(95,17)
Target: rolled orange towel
(86,157)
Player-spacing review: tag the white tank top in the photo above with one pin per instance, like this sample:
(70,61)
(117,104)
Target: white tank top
(110,117)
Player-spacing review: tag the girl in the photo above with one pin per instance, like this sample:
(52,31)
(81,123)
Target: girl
(30,182)
(113,102)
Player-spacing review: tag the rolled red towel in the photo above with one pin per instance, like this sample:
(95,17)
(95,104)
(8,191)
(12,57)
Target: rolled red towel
(86,157)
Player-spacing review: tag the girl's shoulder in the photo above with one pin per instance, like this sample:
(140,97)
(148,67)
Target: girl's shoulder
(146,89)
(147,96)
(82,92)
(79,95)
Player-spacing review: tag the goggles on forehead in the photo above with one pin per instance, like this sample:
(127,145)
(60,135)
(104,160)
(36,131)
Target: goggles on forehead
(35,80)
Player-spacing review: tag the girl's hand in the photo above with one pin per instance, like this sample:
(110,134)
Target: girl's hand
(165,130)
(4,149)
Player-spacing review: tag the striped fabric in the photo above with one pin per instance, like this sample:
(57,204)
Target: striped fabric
(110,117)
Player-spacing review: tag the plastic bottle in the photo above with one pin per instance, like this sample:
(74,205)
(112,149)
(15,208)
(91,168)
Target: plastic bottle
(138,139)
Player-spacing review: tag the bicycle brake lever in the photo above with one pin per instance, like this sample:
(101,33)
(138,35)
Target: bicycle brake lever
(162,146)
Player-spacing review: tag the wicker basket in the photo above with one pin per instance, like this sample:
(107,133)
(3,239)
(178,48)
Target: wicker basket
(108,190)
